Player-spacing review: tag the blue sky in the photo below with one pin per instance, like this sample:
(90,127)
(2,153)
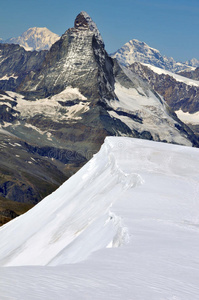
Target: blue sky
(171,26)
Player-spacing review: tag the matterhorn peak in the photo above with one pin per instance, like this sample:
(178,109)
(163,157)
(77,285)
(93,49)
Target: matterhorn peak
(83,21)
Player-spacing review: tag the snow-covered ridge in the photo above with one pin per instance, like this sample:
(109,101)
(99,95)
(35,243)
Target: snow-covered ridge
(154,216)
(63,228)
(177,77)
(137,51)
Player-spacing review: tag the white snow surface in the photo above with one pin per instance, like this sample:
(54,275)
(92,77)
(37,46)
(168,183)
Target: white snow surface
(136,194)
(177,77)
(6,77)
(187,117)
(153,111)
(50,107)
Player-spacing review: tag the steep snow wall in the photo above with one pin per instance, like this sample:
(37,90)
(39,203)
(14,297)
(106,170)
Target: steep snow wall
(74,221)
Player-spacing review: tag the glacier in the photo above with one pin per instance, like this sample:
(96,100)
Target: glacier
(126,226)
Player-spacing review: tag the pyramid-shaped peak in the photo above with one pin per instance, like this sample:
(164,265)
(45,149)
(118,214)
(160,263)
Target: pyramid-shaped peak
(83,21)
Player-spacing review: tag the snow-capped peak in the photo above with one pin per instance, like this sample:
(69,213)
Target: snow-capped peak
(193,62)
(137,51)
(36,38)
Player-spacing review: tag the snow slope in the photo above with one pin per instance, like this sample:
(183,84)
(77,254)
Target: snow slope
(51,107)
(153,112)
(177,77)
(136,203)
(187,117)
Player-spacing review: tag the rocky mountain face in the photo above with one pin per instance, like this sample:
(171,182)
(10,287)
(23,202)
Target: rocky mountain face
(58,114)
(180,93)
(34,39)
(191,74)
(136,51)
(16,63)
(78,60)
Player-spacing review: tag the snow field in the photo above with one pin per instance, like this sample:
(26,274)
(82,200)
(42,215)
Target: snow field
(136,194)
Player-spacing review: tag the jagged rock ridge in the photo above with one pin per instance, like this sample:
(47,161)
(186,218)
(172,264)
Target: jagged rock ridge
(79,60)
(136,51)
(191,74)
(16,63)
(178,94)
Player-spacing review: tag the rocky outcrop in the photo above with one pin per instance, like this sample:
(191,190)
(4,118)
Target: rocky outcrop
(11,209)
(15,63)
(191,74)
(78,60)
(177,94)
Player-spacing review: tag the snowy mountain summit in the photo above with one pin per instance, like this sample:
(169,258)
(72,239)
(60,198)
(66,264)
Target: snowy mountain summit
(35,39)
(137,51)
(77,59)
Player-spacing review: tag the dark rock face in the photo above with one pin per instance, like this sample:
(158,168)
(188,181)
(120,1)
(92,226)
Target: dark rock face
(15,63)
(11,209)
(7,113)
(81,22)
(9,213)
(78,60)
(177,94)
(191,74)
(25,176)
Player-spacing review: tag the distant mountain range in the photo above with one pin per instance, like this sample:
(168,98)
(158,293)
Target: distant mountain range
(136,51)
(34,39)
(58,105)
(133,51)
